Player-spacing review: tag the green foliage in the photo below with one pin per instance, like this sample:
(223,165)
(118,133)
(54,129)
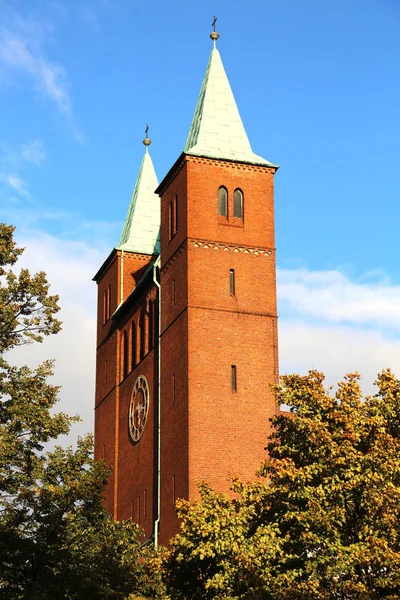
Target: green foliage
(56,539)
(322,521)
(26,309)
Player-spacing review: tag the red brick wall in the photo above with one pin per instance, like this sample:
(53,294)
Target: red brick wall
(136,467)
(174,423)
(217,431)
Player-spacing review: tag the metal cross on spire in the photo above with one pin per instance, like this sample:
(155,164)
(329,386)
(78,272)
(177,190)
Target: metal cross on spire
(146,140)
(214,35)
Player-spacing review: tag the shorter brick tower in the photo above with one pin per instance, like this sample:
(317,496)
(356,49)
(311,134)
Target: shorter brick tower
(200,317)
(127,357)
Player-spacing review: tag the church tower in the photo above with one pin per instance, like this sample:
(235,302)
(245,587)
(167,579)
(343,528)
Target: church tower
(195,404)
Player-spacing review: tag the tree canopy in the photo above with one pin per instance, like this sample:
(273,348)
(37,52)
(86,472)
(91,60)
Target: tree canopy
(321,521)
(56,539)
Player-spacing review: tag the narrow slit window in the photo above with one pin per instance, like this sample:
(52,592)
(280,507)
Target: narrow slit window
(173,389)
(173,293)
(170,221)
(144,504)
(105,306)
(222,202)
(138,511)
(109,302)
(133,346)
(238,204)
(234,378)
(125,351)
(105,371)
(173,490)
(232,281)
(176,215)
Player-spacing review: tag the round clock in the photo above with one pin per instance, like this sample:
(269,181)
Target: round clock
(139,408)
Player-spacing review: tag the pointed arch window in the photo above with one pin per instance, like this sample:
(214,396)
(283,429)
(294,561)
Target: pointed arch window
(133,346)
(222,202)
(238,204)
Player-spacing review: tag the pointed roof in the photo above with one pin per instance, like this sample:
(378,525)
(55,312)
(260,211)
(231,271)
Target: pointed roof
(141,232)
(217,131)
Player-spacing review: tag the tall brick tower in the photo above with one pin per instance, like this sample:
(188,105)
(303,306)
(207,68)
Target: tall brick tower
(196,404)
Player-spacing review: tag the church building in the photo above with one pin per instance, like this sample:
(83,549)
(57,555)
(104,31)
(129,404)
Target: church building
(187,321)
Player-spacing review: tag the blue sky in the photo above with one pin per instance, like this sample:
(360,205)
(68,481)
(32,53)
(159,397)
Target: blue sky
(317,85)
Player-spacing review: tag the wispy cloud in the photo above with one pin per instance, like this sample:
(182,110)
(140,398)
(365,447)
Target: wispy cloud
(11,165)
(18,184)
(24,56)
(49,78)
(14,182)
(33,152)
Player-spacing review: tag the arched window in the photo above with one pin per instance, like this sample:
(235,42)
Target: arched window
(238,204)
(133,346)
(222,202)
(125,354)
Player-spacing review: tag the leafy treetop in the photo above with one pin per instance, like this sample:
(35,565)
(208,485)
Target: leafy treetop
(321,522)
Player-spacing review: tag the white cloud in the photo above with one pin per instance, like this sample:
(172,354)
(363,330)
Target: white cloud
(70,267)
(333,297)
(49,78)
(336,350)
(317,329)
(336,325)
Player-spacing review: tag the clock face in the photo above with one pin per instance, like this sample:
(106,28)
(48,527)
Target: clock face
(139,408)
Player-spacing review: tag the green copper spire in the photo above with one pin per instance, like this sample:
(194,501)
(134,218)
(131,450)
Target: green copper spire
(141,232)
(217,131)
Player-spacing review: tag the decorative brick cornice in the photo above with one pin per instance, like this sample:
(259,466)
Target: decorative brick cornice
(224,247)
(229,164)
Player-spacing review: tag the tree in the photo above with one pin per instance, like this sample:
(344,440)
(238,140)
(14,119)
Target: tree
(56,539)
(322,520)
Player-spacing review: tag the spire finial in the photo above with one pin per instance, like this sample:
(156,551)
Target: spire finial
(146,140)
(214,35)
